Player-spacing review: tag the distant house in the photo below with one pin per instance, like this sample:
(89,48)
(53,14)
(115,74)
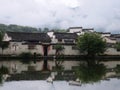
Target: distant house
(67,40)
(111,42)
(80,30)
(26,42)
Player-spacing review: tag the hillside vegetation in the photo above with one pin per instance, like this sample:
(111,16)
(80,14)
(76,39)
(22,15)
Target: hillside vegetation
(18,28)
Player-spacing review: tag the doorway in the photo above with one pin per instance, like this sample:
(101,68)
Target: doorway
(45,63)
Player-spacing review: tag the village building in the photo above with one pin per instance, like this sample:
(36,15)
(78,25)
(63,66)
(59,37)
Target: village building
(80,30)
(26,42)
(44,44)
(67,40)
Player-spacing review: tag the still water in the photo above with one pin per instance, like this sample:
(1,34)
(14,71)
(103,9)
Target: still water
(113,84)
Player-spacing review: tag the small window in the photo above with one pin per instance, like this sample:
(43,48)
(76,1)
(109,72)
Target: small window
(30,47)
(59,40)
(53,47)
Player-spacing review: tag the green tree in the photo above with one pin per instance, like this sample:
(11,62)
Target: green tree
(91,44)
(1,36)
(59,48)
(58,57)
(4,45)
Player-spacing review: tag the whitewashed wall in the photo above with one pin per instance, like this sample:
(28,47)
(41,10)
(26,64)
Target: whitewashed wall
(109,40)
(75,30)
(111,64)
(21,48)
(112,51)
(69,51)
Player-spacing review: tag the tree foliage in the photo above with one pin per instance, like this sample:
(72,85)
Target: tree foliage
(58,55)
(59,48)
(17,28)
(4,45)
(91,44)
(1,36)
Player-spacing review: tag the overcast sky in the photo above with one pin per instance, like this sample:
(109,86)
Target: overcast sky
(103,15)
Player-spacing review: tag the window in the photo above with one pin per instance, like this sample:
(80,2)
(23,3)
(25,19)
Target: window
(59,40)
(53,47)
(31,47)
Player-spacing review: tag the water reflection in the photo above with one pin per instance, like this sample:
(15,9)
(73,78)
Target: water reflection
(91,73)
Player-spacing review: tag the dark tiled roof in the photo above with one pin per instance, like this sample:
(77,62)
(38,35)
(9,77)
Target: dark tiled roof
(74,27)
(115,35)
(66,35)
(87,29)
(22,36)
(103,32)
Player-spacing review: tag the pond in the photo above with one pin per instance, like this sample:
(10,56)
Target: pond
(113,84)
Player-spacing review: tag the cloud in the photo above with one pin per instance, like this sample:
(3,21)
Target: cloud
(102,14)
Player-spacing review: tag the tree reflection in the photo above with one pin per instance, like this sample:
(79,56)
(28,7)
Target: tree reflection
(91,74)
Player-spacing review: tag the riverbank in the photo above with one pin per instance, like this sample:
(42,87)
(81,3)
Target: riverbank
(66,57)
